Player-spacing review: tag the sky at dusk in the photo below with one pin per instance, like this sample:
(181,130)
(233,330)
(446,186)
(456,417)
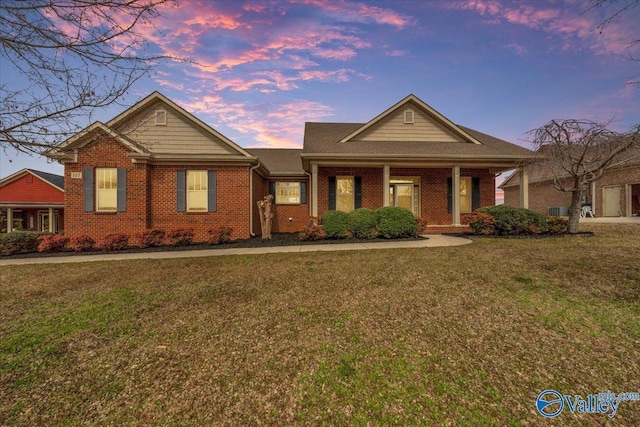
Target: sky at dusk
(261,69)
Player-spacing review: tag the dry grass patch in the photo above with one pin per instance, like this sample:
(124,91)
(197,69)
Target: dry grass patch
(460,336)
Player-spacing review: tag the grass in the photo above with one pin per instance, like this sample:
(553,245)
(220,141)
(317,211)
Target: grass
(437,336)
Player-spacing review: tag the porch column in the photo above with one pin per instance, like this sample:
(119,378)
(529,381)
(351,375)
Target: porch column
(455,195)
(524,189)
(386,179)
(314,189)
(593,198)
(9,220)
(51,221)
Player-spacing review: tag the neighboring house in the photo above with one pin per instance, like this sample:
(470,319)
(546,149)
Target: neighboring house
(32,200)
(157,166)
(616,193)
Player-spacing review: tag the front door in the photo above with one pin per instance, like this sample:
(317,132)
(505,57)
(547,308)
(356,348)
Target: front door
(43,221)
(611,201)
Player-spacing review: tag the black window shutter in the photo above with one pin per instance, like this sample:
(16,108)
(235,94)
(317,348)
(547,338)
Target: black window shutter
(211,191)
(332,193)
(358,192)
(87,184)
(272,191)
(475,193)
(449,195)
(122,190)
(181,187)
(303,193)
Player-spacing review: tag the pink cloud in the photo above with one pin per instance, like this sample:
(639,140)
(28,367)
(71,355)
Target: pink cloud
(361,12)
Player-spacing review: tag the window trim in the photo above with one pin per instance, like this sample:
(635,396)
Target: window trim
(353,191)
(409,117)
(468,196)
(289,185)
(161,117)
(417,191)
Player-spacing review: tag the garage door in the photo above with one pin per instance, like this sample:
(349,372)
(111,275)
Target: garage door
(611,200)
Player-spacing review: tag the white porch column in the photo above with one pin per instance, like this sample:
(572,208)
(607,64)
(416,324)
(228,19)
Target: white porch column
(314,189)
(9,220)
(51,221)
(455,195)
(386,179)
(524,189)
(593,198)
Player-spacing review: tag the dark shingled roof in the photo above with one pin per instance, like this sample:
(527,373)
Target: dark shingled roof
(56,180)
(280,161)
(324,138)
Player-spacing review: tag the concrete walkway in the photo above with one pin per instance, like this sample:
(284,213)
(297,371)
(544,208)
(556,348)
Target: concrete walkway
(611,220)
(430,242)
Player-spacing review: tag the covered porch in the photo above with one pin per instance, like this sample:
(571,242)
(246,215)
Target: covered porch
(38,218)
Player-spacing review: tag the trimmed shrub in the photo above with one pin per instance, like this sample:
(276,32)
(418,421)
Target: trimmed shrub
(18,242)
(52,243)
(362,223)
(395,222)
(516,221)
(114,242)
(336,224)
(180,237)
(219,235)
(558,224)
(313,231)
(81,243)
(481,223)
(150,238)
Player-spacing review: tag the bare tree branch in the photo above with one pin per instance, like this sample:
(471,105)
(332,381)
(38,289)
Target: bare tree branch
(76,55)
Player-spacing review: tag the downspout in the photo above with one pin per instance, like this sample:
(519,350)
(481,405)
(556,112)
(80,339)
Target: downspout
(251,233)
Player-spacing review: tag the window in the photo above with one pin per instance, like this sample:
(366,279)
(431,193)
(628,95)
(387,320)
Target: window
(197,191)
(106,189)
(287,193)
(345,193)
(404,191)
(408,117)
(161,117)
(465,194)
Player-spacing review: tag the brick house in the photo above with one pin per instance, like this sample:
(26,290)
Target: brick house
(615,194)
(157,166)
(32,200)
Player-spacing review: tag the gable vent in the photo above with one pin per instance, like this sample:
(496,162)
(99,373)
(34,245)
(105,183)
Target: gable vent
(408,117)
(161,117)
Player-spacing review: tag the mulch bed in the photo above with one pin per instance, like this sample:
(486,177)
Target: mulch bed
(280,239)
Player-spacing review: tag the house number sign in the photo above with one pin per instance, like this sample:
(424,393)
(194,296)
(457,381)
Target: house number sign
(76,175)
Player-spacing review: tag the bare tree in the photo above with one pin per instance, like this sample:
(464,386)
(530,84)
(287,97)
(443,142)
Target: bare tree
(575,153)
(75,56)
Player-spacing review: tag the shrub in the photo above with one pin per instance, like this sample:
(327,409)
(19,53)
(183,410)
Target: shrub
(558,224)
(51,243)
(150,238)
(481,223)
(114,242)
(313,231)
(362,223)
(515,221)
(336,224)
(395,222)
(219,235)
(18,242)
(180,237)
(81,243)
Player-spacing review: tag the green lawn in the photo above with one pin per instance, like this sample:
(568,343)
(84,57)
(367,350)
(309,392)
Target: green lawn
(437,336)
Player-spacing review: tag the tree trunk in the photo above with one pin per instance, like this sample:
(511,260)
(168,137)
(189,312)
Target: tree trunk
(574,210)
